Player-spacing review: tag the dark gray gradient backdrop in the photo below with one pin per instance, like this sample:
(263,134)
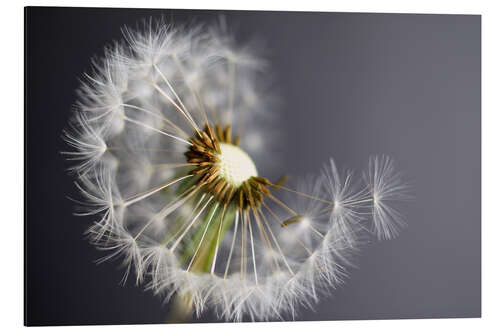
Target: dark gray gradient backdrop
(351,85)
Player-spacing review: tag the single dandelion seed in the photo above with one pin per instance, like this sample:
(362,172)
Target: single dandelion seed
(169,130)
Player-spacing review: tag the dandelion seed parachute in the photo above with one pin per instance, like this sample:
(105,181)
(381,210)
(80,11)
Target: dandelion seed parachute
(168,134)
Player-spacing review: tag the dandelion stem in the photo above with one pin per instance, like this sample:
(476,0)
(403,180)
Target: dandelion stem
(181,309)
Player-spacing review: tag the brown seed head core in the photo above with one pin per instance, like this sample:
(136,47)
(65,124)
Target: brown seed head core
(205,153)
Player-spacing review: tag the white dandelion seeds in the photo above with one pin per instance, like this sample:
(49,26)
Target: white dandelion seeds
(169,132)
(385,185)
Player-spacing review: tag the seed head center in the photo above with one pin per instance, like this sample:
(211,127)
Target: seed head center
(235,165)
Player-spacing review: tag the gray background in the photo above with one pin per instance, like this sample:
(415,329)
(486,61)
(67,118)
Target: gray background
(351,85)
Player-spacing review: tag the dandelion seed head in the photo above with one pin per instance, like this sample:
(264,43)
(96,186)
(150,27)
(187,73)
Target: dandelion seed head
(164,128)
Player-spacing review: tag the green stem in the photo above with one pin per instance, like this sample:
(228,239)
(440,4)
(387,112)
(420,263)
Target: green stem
(181,305)
(181,310)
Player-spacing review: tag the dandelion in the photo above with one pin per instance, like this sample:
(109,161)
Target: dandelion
(169,131)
